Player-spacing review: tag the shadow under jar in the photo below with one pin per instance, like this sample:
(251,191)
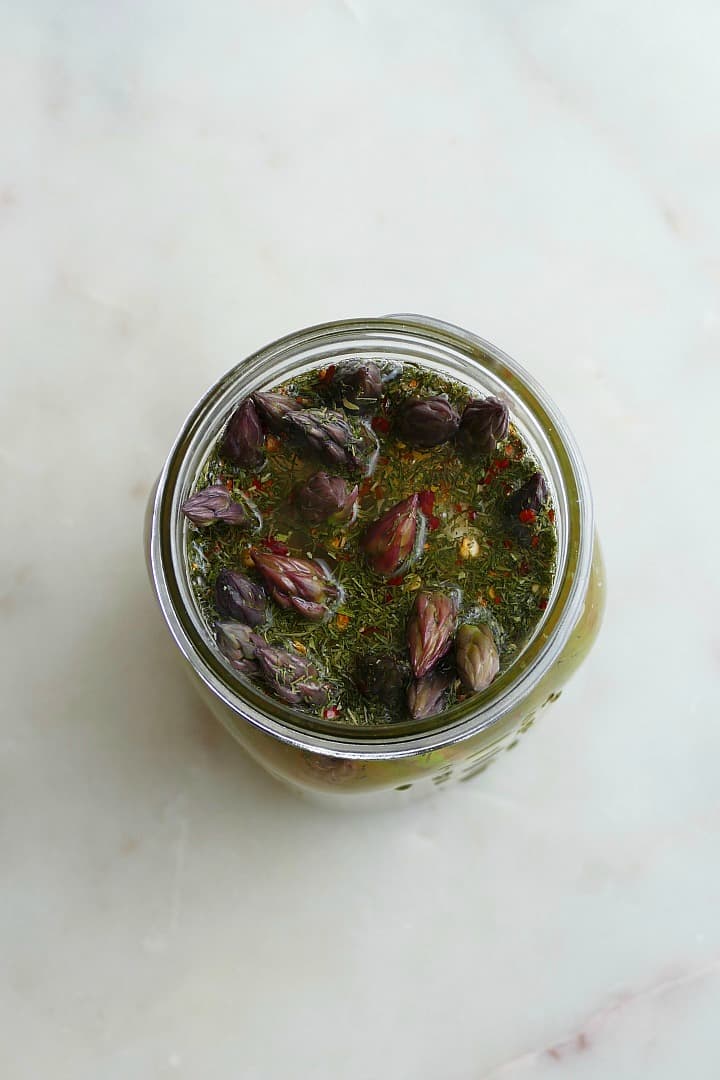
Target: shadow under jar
(321,756)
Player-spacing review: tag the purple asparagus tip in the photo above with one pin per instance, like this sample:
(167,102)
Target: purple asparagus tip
(243,438)
(430,629)
(214,503)
(382,678)
(273,408)
(425,695)
(476,656)
(292,677)
(236,642)
(483,424)
(390,542)
(427,421)
(326,498)
(532,495)
(302,584)
(240,598)
(359,385)
(329,434)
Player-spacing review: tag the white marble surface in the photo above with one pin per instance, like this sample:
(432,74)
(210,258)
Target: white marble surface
(179,183)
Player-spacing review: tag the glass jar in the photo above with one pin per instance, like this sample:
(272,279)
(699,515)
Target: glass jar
(322,757)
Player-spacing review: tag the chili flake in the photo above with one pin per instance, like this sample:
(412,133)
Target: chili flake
(427,501)
(325,377)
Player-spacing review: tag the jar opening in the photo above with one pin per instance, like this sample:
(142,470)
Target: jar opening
(454,354)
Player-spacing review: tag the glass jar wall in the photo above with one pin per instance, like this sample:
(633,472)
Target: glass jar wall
(459,743)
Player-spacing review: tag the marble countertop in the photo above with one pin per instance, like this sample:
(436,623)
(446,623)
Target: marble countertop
(179,184)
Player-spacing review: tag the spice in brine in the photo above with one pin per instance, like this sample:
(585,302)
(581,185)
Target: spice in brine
(371,542)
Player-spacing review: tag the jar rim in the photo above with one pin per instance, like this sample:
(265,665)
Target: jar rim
(551,440)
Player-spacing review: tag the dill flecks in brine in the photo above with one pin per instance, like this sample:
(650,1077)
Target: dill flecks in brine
(370,542)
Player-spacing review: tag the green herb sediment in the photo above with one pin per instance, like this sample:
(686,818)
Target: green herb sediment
(504,569)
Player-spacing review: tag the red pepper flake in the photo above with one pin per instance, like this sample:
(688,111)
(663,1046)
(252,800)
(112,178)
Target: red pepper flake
(260,485)
(535,541)
(228,484)
(365,488)
(488,477)
(551,516)
(433,523)
(388,597)
(524,567)
(367,631)
(472,514)
(527,516)
(379,493)
(380,424)
(497,598)
(458,508)
(326,375)
(542,603)
(507,544)
(502,463)
(331,713)
(427,501)
(507,488)
(398,580)
(275,546)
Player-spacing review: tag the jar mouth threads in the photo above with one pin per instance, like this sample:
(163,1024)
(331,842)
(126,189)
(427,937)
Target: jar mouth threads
(458,356)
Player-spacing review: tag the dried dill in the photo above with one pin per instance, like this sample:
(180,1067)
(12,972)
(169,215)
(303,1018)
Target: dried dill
(503,565)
